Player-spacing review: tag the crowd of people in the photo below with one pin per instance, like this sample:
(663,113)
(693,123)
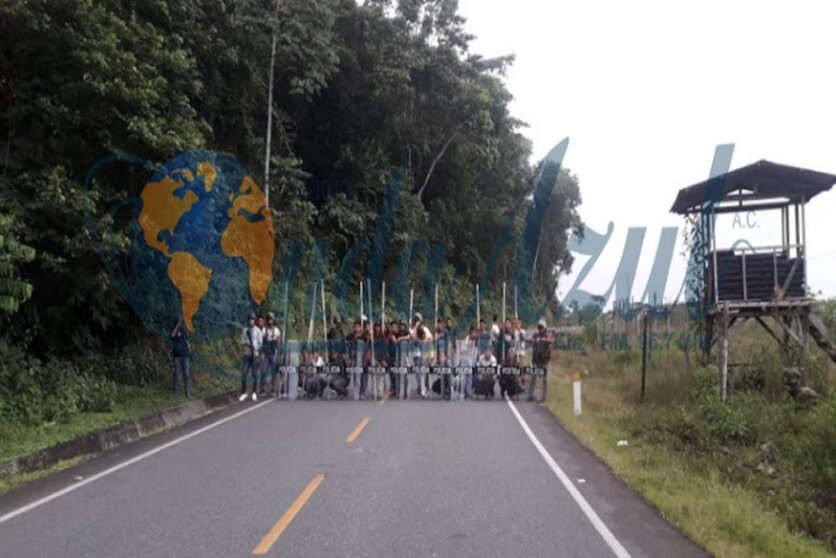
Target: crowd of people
(404,355)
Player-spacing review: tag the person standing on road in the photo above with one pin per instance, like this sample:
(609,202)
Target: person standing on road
(336,343)
(505,345)
(468,354)
(519,341)
(452,342)
(354,357)
(508,383)
(392,357)
(181,351)
(367,350)
(541,344)
(338,381)
(519,349)
(445,350)
(403,341)
(495,333)
(272,341)
(260,361)
(381,355)
(251,343)
(484,340)
(422,338)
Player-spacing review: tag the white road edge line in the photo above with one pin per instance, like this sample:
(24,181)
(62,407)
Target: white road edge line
(93,478)
(617,548)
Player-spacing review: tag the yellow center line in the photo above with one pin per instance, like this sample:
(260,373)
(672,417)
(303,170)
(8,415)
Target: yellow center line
(356,432)
(287,517)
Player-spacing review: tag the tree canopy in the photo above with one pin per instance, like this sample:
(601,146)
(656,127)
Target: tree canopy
(360,92)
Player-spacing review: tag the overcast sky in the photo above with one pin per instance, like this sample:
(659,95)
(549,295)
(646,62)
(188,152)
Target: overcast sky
(645,90)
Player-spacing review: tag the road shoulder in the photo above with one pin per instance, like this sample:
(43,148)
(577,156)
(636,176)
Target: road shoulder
(634,522)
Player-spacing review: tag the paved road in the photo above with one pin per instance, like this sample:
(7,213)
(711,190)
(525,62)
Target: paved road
(421,478)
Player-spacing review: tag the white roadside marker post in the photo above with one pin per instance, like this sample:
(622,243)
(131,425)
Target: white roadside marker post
(576,392)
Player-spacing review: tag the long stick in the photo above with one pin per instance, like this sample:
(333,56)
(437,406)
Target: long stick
(284,325)
(324,318)
(436,311)
(313,317)
(383,328)
(516,311)
(478,307)
(360,378)
(284,343)
(409,347)
(643,319)
(501,332)
(310,337)
(438,353)
(371,334)
(371,317)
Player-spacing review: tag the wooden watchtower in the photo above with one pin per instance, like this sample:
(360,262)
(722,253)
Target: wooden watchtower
(764,283)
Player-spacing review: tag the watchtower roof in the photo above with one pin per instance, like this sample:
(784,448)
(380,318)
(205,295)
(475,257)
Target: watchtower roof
(763,180)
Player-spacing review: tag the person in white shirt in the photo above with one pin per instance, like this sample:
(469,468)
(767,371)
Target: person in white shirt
(468,353)
(495,331)
(251,340)
(486,359)
(484,384)
(423,354)
(519,341)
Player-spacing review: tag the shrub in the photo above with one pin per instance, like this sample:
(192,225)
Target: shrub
(98,395)
(142,363)
(751,378)
(816,449)
(35,392)
(724,422)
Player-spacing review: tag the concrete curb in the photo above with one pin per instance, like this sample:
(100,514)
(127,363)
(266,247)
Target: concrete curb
(116,435)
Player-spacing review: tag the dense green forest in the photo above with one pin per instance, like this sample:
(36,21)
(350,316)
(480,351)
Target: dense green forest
(360,93)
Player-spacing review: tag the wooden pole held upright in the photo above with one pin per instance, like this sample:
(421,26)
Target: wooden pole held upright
(644,351)
(478,307)
(501,329)
(724,352)
(324,317)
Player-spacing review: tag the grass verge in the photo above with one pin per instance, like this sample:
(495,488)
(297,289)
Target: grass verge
(712,492)
(131,403)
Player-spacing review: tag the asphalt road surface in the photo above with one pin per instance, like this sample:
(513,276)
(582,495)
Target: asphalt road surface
(342,478)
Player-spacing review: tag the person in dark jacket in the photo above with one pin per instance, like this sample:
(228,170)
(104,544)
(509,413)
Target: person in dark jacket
(541,344)
(181,351)
(391,334)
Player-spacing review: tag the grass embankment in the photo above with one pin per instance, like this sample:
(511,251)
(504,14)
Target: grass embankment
(130,403)
(44,402)
(754,477)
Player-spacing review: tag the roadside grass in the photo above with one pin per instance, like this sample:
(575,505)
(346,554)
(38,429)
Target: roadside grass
(132,402)
(697,461)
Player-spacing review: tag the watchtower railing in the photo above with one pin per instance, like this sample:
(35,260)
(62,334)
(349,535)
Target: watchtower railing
(757,274)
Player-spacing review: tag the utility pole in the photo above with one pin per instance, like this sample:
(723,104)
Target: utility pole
(270,110)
